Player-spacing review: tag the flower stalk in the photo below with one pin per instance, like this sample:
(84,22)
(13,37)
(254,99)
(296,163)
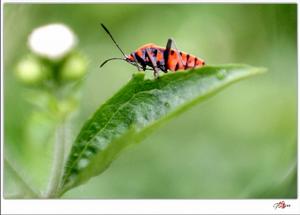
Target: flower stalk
(58,160)
(50,70)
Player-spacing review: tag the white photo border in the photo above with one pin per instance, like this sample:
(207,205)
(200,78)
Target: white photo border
(243,206)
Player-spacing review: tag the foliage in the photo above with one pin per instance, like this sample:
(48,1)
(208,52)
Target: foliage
(136,109)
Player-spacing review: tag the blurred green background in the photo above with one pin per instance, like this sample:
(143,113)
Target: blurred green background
(239,144)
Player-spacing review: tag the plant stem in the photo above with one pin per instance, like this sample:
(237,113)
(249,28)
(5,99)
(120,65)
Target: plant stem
(29,189)
(58,161)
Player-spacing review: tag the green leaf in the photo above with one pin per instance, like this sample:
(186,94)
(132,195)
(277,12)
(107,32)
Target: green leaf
(136,110)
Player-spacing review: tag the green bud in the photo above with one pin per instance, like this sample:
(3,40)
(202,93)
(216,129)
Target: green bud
(74,68)
(31,71)
(67,106)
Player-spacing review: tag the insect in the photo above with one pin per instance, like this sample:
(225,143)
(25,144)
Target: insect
(156,58)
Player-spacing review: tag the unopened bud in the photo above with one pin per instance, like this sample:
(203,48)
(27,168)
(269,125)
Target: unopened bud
(74,68)
(31,71)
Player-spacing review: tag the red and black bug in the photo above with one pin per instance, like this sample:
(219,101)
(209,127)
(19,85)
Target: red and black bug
(156,58)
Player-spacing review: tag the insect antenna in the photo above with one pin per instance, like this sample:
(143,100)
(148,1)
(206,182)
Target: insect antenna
(107,31)
(114,58)
(125,59)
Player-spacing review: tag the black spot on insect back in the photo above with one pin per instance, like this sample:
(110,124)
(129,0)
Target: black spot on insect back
(187,61)
(176,67)
(187,57)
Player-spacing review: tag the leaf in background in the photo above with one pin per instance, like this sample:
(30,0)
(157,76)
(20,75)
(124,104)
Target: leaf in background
(136,109)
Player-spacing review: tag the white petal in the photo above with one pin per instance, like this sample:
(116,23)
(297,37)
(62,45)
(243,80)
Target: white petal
(52,41)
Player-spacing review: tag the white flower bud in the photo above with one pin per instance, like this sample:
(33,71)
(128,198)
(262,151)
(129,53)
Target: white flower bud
(52,41)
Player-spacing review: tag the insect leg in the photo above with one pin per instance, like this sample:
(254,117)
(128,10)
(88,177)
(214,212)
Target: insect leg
(153,62)
(136,63)
(167,53)
(176,50)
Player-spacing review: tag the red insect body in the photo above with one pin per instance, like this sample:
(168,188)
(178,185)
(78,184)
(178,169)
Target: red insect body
(158,58)
(165,60)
